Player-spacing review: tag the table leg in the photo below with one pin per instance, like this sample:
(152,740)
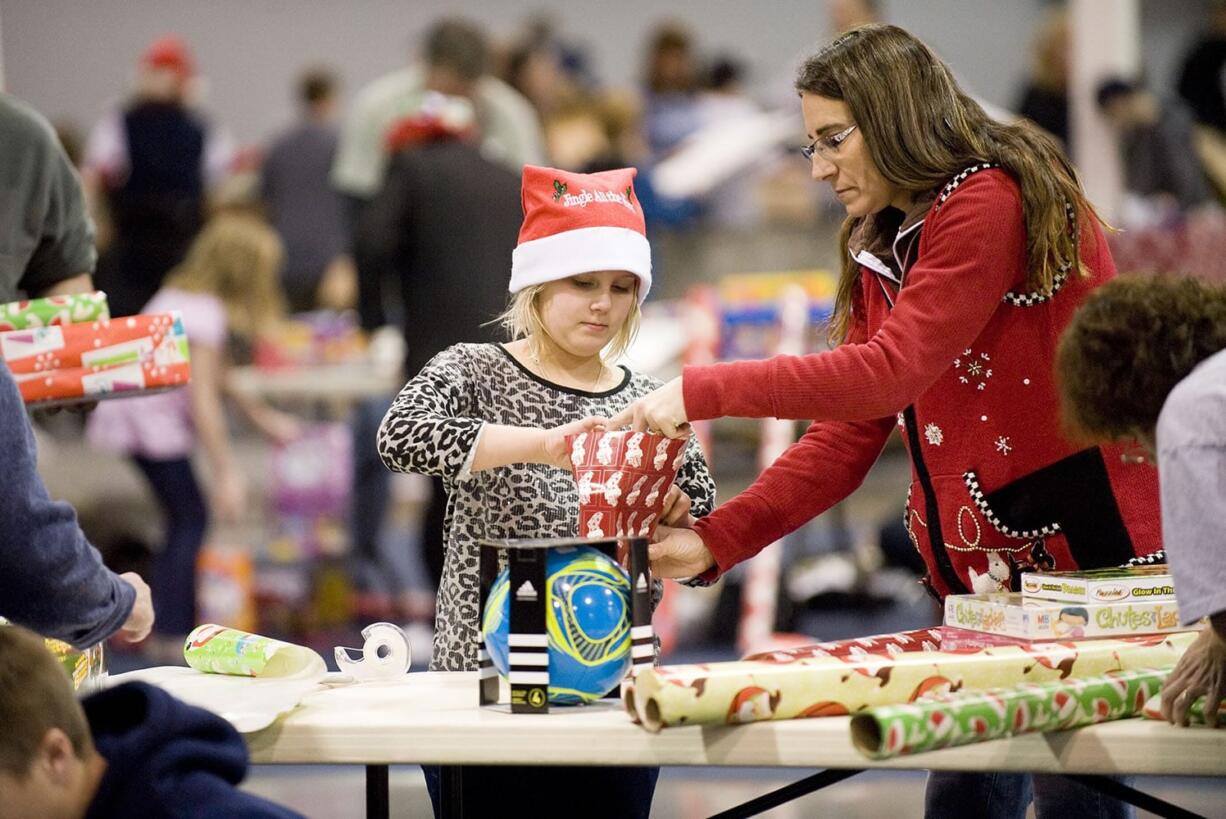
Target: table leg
(451,792)
(1133,796)
(787,793)
(377,802)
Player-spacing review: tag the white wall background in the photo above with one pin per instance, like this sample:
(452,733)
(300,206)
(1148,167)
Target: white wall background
(71,58)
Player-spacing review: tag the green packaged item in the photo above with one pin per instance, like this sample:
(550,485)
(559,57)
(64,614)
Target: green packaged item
(73,308)
(961,718)
(216,649)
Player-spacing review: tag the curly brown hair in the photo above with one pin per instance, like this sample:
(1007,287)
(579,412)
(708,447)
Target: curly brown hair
(1127,347)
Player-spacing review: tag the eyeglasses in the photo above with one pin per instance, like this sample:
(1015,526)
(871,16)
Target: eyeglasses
(826,145)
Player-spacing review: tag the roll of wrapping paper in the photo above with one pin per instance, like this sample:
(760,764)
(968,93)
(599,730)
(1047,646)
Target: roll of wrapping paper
(815,681)
(964,717)
(1196,712)
(70,308)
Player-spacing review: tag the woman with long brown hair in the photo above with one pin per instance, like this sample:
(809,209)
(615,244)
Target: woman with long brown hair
(967,247)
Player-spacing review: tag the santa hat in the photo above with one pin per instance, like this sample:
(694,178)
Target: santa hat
(579,223)
(169,53)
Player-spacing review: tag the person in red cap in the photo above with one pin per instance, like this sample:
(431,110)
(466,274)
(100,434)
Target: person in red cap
(152,162)
(491,420)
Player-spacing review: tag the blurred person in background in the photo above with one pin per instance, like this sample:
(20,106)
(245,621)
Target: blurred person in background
(226,290)
(1044,99)
(1162,175)
(304,208)
(455,62)
(448,269)
(153,161)
(1201,75)
(848,14)
(670,89)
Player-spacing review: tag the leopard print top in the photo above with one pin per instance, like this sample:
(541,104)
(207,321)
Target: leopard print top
(433,427)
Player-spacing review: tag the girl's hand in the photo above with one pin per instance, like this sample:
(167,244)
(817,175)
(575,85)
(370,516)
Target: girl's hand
(662,411)
(676,511)
(554,449)
(281,426)
(678,553)
(229,496)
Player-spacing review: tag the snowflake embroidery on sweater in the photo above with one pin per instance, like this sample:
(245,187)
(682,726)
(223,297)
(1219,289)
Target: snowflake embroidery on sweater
(974,368)
(1003,446)
(934,434)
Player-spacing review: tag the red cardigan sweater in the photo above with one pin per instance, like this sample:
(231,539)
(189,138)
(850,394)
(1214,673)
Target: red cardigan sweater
(961,358)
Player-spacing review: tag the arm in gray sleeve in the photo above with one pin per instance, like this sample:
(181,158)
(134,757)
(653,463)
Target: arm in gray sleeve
(66,233)
(52,579)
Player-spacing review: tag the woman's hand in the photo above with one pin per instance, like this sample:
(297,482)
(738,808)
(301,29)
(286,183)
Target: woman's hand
(1200,672)
(661,411)
(676,511)
(554,449)
(678,553)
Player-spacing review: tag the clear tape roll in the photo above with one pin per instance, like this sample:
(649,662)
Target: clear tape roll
(385,655)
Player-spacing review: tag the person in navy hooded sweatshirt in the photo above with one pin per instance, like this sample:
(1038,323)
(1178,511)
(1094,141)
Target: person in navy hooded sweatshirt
(131,750)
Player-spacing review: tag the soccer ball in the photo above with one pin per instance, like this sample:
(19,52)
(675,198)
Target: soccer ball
(587,618)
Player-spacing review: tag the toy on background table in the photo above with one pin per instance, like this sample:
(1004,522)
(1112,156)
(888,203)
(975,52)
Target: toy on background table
(311,339)
(562,622)
(749,310)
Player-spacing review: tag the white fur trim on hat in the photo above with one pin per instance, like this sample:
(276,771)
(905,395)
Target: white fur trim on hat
(582,250)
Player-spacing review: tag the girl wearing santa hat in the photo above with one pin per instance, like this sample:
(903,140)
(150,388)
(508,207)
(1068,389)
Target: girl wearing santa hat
(492,421)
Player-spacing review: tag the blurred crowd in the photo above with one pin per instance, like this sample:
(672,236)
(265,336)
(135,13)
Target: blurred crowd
(400,201)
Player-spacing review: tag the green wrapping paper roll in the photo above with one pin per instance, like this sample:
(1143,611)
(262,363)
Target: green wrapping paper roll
(215,649)
(1196,712)
(945,720)
(832,679)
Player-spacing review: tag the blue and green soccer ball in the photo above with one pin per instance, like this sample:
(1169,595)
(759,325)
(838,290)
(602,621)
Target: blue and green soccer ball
(587,618)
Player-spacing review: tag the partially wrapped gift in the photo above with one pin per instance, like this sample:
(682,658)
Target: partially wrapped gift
(623,478)
(69,309)
(964,717)
(102,343)
(86,667)
(849,676)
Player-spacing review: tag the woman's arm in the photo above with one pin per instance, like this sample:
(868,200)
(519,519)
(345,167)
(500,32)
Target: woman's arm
(975,250)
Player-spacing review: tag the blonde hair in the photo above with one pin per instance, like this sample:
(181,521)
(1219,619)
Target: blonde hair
(236,257)
(522,319)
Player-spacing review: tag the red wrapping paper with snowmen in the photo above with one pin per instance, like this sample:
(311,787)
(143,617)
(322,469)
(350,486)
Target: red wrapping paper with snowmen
(622,478)
(91,360)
